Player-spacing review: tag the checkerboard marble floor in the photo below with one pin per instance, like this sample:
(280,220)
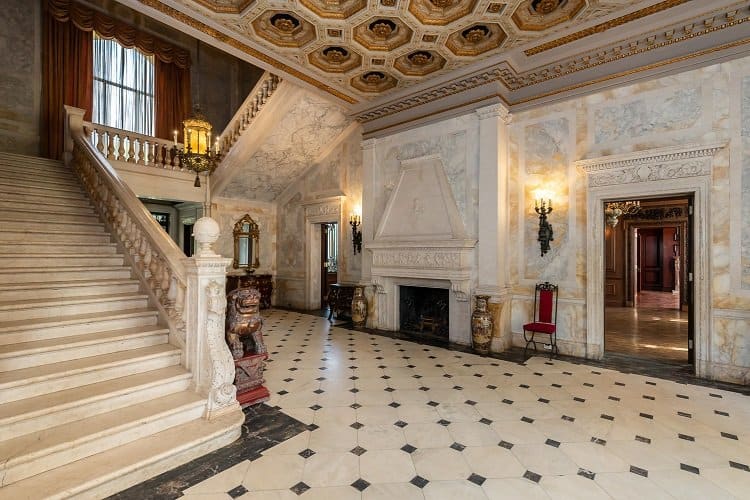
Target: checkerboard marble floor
(392,419)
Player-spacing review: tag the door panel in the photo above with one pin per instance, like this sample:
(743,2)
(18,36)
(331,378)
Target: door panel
(651,259)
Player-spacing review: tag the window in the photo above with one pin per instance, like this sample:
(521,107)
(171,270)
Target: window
(332,248)
(123,87)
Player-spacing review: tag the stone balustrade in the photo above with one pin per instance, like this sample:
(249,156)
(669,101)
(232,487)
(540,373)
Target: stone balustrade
(121,145)
(249,109)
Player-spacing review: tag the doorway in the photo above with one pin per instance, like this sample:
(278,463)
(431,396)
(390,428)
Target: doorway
(329,250)
(648,280)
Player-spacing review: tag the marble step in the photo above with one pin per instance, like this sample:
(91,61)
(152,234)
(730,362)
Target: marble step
(10,201)
(38,380)
(30,179)
(36,160)
(48,410)
(31,189)
(55,350)
(60,248)
(93,225)
(47,449)
(30,259)
(70,273)
(28,236)
(111,471)
(60,289)
(43,198)
(40,214)
(12,332)
(52,171)
(47,207)
(34,309)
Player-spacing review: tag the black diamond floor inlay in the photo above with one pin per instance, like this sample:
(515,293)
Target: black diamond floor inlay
(458,447)
(532,476)
(237,491)
(690,468)
(408,448)
(360,484)
(476,479)
(307,453)
(639,471)
(419,481)
(358,450)
(299,488)
(505,444)
(586,473)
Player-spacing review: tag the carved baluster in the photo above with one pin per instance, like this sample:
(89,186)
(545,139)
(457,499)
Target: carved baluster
(120,147)
(141,152)
(110,146)
(165,282)
(179,306)
(146,261)
(153,267)
(131,150)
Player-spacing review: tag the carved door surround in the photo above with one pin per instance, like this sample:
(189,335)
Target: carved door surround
(656,173)
(318,211)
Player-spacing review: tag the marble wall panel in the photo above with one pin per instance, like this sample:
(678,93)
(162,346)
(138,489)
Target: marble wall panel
(227,212)
(20,35)
(745,187)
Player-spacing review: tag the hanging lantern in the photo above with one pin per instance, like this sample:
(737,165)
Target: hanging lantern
(197,154)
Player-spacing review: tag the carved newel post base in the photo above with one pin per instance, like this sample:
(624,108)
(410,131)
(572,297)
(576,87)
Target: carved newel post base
(245,339)
(206,353)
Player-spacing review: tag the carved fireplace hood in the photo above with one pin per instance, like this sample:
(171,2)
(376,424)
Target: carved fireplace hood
(421,234)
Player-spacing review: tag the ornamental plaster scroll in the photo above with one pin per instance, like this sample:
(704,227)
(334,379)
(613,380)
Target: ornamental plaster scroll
(461,289)
(379,285)
(330,208)
(222,392)
(675,162)
(418,257)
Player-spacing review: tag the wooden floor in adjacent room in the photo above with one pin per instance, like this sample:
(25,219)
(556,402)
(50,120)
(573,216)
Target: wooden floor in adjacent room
(655,328)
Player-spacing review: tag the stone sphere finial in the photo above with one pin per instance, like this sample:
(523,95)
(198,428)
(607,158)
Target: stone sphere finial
(206,232)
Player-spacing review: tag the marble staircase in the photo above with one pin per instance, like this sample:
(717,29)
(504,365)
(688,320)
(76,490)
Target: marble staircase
(93,397)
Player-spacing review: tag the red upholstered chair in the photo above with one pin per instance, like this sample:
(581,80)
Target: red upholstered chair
(545,317)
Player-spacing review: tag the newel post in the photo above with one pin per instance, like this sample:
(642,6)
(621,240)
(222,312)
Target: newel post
(73,124)
(207,355)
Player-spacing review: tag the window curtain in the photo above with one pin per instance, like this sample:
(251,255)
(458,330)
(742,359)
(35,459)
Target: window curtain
(172,98)
(67,70)
(123,87)
(68,67)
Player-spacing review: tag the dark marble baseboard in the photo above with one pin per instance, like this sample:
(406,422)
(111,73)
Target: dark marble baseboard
(264,428)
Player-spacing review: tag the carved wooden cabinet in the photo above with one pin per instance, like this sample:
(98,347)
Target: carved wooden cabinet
(340,300)
(263,282)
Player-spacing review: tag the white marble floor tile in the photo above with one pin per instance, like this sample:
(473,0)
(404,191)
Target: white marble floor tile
(451,490)
(438,464)
(386,466)
(629,486)
(513,489)
(393,491)
(274,472)
(221,482)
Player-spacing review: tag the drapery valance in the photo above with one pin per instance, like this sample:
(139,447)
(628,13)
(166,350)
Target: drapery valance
(88,19)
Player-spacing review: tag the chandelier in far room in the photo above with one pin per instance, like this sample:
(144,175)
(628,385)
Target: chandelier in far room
(614,210)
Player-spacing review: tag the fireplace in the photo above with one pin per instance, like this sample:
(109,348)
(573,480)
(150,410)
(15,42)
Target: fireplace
(424,311)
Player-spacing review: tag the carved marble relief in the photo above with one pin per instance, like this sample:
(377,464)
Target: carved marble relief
(545,145)
(653,114)
(452,151)
(745,255)
(292,216)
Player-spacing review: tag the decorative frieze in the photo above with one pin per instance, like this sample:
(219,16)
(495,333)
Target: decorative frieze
(418,257)
(651,165)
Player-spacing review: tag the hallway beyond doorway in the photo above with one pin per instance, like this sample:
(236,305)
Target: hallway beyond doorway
(655,328)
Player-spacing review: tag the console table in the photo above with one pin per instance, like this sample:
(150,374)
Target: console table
(263,282)
(340,300)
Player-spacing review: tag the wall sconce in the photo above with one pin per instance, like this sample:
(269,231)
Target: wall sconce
(543,208)
(355,220)
(613,211)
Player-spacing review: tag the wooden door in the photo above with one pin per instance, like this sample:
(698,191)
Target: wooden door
(651,261)
(323,266)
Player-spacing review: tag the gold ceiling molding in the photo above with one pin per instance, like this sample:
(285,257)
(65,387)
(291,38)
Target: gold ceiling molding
(601,27)
(225,7)
(502,74)
(626,48)
(232,42)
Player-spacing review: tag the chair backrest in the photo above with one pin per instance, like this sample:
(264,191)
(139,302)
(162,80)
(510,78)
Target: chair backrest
(545,303)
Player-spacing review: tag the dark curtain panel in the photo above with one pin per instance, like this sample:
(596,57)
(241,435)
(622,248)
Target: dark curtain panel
(172,99)
(67,72)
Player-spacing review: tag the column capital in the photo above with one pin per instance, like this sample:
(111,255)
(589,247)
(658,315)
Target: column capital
(494,111)
(369,143)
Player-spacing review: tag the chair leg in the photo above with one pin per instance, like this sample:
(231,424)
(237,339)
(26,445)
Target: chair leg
(528,341)
(553,347)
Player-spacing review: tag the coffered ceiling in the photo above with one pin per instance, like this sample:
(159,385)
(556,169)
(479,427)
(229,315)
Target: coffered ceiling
(380,57)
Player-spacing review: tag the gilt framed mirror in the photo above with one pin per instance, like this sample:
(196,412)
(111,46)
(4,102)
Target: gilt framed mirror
(246,247)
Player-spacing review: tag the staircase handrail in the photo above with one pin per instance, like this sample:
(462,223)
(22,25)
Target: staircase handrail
(131,147)
(155,256)
(254,101)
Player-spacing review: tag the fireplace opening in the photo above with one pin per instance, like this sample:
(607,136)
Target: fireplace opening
(424,311)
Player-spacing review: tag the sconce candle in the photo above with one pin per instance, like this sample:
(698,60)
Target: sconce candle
(355,220)
(545,235)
